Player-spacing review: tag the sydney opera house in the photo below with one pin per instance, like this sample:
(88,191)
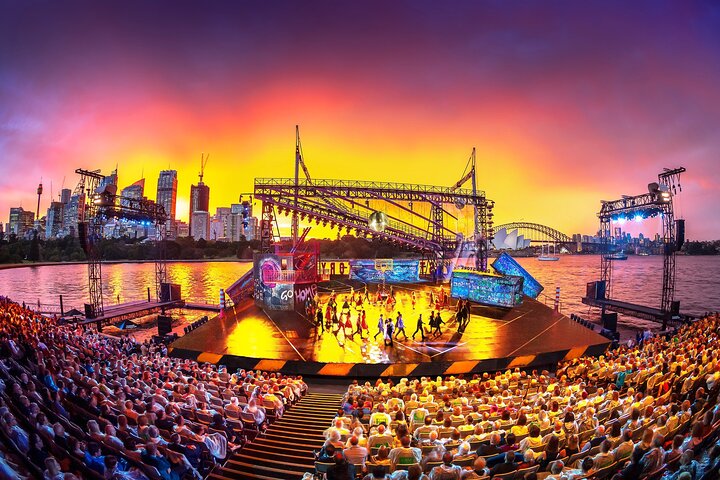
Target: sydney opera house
(505,240)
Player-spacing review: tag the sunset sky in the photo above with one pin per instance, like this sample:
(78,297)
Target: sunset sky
(567,103)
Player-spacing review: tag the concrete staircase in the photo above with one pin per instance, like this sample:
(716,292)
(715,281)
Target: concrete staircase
(285,451)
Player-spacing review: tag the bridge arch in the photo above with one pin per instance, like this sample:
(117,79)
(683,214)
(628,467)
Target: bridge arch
(535,232)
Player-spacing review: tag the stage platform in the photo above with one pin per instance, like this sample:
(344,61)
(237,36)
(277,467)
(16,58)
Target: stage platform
(529,335)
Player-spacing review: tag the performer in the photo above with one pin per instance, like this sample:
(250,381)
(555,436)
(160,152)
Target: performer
(389,331)
(320,323)
(438,322)
(348,325)
(381,327)
(328,316)
(367,296)
(420,328)
(413,299)
(359,328)
(400,326)
(364,322)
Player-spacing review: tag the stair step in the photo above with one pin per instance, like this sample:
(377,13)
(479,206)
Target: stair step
(284,441)
(284,464)
(240,476)
(282,452)
(262,470)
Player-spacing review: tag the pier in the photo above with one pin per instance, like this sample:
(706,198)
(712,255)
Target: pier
(634,310)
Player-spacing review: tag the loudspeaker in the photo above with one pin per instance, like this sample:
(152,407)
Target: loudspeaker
(90,310)
(609,321)
(169,292)
(164,325)
(82,236)
(596,290)
(679,234)
(675,307)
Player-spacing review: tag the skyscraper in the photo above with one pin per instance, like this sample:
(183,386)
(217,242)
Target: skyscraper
(134,191)
(65,195)
(21,220)
(167,196)
(200,202)
(54,220)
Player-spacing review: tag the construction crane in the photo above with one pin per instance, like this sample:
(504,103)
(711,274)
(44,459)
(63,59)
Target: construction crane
(203,161)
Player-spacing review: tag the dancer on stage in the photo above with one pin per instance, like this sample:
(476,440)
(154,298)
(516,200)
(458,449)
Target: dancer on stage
(400,326)
(320,321)
(359,328)
(413,299)
(420,328)
(389,327)
(363,322)
(367,295)
(438,322)
(381,327)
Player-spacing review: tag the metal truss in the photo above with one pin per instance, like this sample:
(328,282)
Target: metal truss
(345,204)
(646,204)
(548,234)
(94,209)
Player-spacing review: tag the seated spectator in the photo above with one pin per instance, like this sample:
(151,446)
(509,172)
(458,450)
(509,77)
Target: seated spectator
(426,428)
(38,453)
(446,471)
(53,470)
(533,440)
(507,466)
(380,438)
(528,460)
(152,457)
(355,453)
(550,454)
(556,470)
(510,443)
(478,471)
(605,457)
(633,470)
(405,454)
(93,458)
(675,450)
(597,439)
(493,448)
(341,469)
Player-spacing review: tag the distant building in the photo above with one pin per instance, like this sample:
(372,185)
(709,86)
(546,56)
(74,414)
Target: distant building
(182,229)
(167,197)
(54,220)
(219,224)
(134,191)
(70,215)
(199,202)
(21,221)
(65,195)
(200,225)
(111,179)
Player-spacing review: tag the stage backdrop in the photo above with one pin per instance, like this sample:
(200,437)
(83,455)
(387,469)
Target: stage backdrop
(389,270)
(507,265)
(486,288)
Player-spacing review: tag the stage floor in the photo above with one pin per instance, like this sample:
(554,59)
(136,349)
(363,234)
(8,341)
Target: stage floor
(530,332)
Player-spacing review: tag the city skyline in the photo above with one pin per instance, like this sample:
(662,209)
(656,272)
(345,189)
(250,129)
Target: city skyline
(567,104)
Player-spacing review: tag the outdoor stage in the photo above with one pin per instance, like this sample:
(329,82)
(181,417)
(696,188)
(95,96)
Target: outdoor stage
(529,335)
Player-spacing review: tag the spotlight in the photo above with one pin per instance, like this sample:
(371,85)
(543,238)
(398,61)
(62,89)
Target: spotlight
(621,220)
(378,221)
(639,218)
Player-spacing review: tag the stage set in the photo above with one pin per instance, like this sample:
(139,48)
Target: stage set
(271,323)
(264,334)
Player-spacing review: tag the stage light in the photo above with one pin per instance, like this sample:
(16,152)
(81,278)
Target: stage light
(639,218)
(378,221)
(621,220)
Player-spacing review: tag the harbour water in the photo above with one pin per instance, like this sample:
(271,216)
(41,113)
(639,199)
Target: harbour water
(637,280)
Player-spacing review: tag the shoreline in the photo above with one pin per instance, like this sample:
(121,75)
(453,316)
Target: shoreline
(9,266)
